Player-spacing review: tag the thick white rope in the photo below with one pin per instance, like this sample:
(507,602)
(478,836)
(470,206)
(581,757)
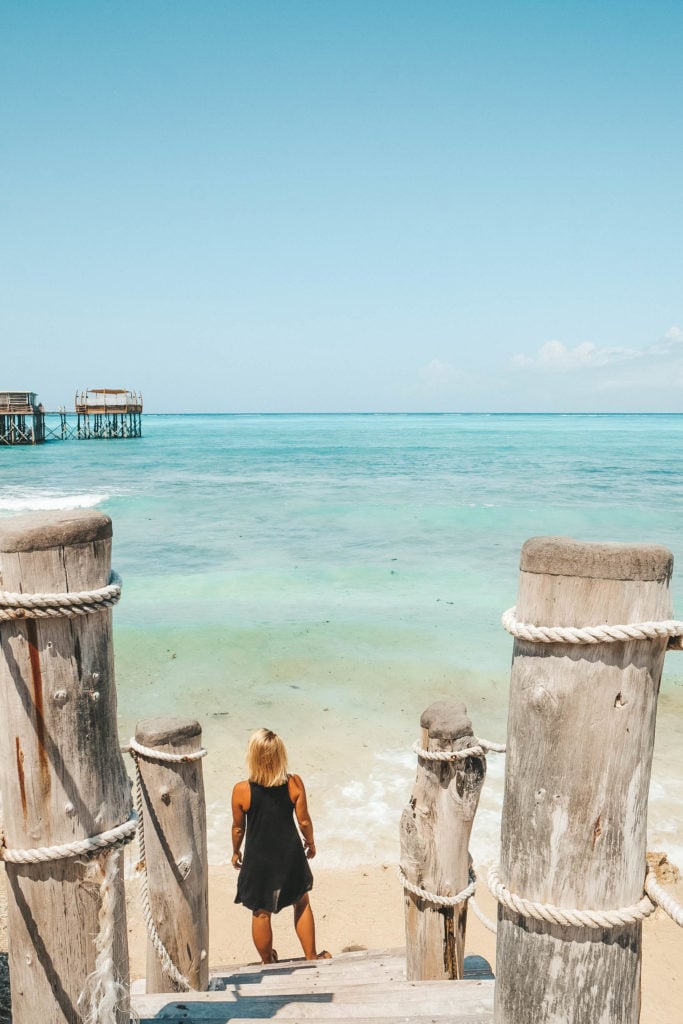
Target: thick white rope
(113,837)
(589,634)
(663,899)
(150,754)
(486,921)
(491,747)
(167,965)
(568,917)
(440,901)
(466,895)
(479,749)
(104,995)
(47,606)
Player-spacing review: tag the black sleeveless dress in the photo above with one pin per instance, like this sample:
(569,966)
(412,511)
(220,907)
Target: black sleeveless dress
(275,872)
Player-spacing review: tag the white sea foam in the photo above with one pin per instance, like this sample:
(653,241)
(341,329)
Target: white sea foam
(48,501)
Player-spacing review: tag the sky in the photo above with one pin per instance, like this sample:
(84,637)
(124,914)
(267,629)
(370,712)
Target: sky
(331,205)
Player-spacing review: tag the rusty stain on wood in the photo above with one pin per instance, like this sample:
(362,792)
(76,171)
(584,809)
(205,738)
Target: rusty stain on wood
(37,675)
(21,776)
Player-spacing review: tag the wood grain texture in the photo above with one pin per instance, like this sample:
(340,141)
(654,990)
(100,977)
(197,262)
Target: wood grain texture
(562,556)
(579,750)
(63,777)
(176,852)
(435,831)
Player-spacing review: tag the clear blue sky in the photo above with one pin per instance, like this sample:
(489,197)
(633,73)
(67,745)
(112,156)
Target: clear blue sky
(336,205)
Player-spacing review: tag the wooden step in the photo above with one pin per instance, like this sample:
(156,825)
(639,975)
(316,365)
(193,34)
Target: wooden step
(379,966)
(366,987)
(287,978)
(387,1018)
(456,1001)
(357,956)
(457,1015)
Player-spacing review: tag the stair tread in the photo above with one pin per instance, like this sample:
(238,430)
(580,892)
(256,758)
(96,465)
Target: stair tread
(434,993)
(359,956)
(451,1016)
(386,967)
(456,1015)
(361,986)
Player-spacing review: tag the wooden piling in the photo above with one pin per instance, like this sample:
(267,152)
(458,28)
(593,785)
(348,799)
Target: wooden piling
(63,777)
(579,750)
(174,813)
(435,833)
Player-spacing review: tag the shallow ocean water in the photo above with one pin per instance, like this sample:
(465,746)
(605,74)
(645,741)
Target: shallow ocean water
(331,576)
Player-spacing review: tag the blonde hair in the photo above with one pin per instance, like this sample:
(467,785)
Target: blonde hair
(266,758)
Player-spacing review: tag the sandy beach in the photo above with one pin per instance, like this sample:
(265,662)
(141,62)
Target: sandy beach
(364,909)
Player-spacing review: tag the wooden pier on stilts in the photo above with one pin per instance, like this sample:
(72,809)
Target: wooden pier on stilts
(108,413)
(98,413)
(22,419)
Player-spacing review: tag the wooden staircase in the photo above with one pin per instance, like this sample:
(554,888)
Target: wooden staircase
(363,987)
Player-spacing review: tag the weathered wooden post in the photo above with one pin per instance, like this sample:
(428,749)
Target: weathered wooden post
(435,833)
(174,816)
(580,738)
(63,777)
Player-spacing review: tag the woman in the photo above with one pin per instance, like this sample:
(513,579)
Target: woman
(275,872)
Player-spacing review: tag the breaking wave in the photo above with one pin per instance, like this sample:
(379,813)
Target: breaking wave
(41,501)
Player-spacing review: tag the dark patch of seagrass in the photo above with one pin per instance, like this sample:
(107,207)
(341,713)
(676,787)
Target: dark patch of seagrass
(5,1002)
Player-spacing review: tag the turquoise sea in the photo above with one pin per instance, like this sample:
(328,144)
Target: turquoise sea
(329,576)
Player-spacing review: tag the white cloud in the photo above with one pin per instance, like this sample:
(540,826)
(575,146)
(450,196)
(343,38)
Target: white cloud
(554,357)
(609,377)
(674,334)
(557,376)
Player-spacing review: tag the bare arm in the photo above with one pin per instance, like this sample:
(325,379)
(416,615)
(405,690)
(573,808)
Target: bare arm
(297,794)
(240,805)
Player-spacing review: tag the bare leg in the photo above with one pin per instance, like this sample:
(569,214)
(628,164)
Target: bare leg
(305,929)
(262,934)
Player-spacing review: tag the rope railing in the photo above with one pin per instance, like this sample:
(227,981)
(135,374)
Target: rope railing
(478,749)
(440,901)
(478,912)
(568,917)
(51,606)
(112,838)
(602,634)
(165,757)
(663,899)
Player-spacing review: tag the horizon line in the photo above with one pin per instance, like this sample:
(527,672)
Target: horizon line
(411,412)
